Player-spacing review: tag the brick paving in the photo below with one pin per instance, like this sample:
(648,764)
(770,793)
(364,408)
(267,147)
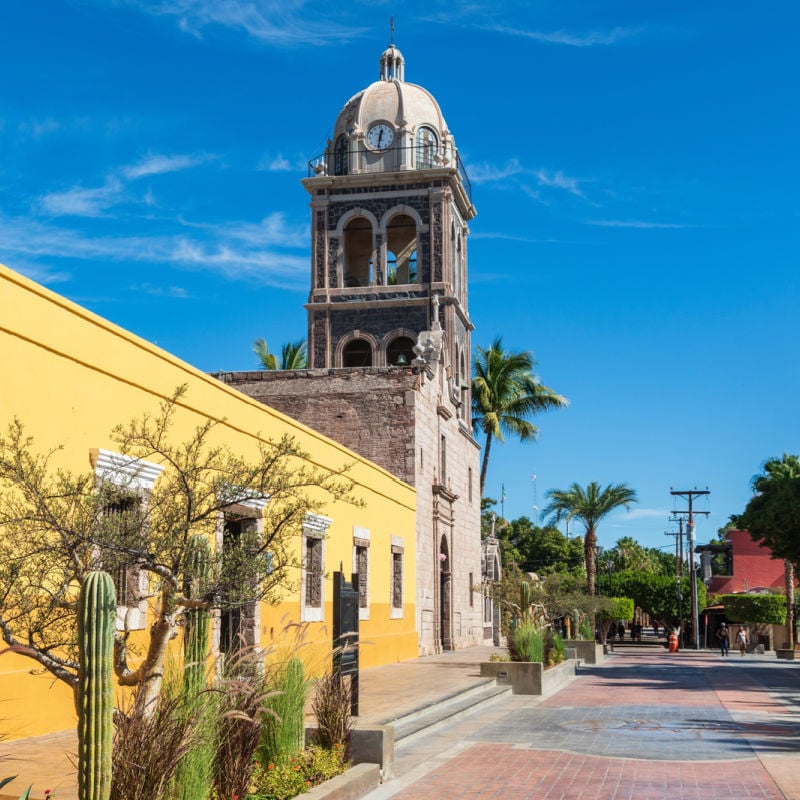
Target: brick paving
(643,725)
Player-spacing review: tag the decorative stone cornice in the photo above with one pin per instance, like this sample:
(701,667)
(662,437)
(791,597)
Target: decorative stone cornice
(316,523)
(122,470)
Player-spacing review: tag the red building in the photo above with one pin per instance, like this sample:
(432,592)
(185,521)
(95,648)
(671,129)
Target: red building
(750,566)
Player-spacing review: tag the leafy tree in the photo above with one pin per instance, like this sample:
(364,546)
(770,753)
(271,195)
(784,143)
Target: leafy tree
(769,609)
(55,526)
(540,550)
(627,553)
(589,506)
(621,608)
(505,394)
(294,355)
(657,595)
(773,518)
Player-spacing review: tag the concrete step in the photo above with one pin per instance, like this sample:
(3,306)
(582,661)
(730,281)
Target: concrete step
(426,719)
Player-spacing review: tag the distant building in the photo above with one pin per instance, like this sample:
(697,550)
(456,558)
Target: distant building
(750,566)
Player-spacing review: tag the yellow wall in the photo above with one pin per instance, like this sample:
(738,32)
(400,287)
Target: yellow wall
(71,376)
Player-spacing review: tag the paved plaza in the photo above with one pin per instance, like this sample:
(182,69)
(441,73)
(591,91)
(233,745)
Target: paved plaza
(643,725)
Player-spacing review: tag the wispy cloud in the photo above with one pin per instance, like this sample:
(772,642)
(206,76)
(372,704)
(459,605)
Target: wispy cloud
(158,164)
(636,223)
(272,231)
(513,169)
(177,292)
(279,163)
(559,180)
(36,129)
(509,237)
(490,173)
(80,201)
(572,39)
(231,250)
(287,23)
(647,513)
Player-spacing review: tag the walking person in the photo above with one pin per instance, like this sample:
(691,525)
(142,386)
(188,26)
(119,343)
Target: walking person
(741,640)
(723,637)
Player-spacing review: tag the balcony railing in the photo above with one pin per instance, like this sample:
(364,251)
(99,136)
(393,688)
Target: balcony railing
(393,159)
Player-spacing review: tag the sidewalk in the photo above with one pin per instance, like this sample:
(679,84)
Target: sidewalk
(644,725)
(386,693)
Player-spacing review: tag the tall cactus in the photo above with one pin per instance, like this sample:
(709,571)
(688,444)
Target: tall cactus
(193,776)
(195,642)
(97,613)
(525,599)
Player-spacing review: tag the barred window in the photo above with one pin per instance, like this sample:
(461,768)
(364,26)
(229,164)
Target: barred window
(397,580)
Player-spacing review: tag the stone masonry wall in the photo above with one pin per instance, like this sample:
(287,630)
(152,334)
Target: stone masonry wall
(370,410)
(397,418)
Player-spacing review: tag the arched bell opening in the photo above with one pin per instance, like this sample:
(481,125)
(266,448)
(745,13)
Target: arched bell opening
(357,353)
(359,253)
(400,352)
(401,250)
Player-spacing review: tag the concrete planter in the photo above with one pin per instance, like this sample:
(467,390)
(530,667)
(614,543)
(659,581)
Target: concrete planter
(585,650)
(529,677)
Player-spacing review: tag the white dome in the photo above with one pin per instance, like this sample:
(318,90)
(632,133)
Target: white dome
(405,106)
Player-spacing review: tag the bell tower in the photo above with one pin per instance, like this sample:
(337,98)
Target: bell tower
(390,206)
(389,339)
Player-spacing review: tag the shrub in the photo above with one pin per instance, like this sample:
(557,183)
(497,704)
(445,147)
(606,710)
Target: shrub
(526,642)
(147,748)
(331,706)
(242,700)
(557,650)
(283,724)
(764,608)
(297,774)
(195,770)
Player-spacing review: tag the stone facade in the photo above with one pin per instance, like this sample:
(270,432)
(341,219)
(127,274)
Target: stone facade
(405,421)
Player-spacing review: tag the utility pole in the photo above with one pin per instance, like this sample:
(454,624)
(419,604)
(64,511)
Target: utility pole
(678,544)
(689,495)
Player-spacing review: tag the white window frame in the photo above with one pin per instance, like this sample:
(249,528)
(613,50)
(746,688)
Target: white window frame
(361,539)
(398,547)
(136,476)
(315,526)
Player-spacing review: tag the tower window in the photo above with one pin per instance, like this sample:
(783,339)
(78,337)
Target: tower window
(358,253)
(401,255)
(357,353)
(427,148)
(340,165)
(400,351)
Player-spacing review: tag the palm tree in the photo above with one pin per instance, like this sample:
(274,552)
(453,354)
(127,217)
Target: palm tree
(774,471)
(294,355)
(505,393)
(588,506)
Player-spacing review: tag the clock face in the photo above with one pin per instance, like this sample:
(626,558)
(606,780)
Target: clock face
(380,136)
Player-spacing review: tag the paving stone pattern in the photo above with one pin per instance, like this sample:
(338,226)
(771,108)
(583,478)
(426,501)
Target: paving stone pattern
(641,726)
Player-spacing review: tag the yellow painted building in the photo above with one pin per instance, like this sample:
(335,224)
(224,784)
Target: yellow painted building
(71,376)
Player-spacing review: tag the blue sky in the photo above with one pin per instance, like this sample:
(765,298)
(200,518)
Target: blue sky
(634,166)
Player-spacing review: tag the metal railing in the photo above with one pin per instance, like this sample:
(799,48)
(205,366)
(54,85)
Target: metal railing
(393,159)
